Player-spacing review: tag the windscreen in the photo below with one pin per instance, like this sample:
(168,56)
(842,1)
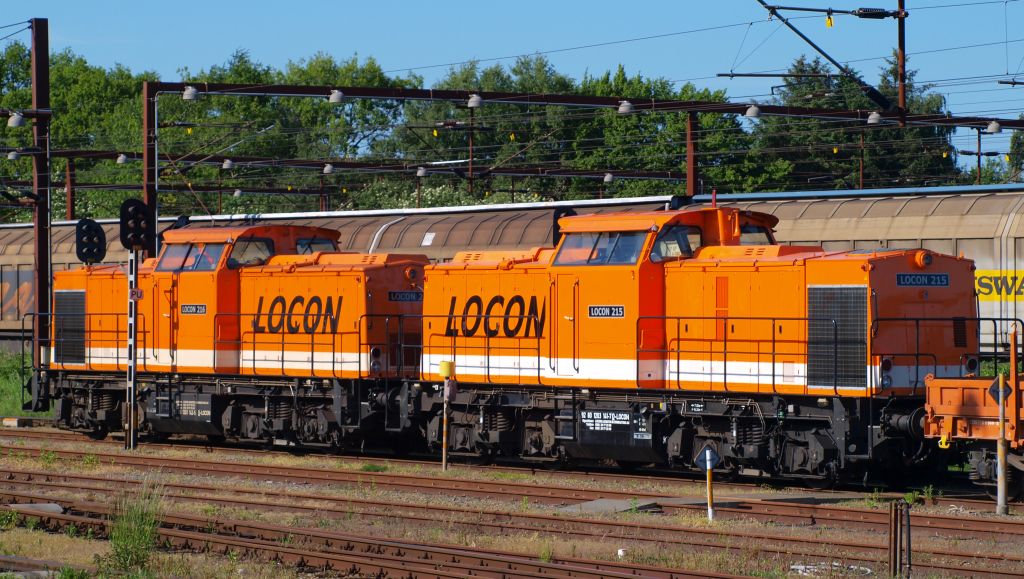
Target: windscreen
(603,248)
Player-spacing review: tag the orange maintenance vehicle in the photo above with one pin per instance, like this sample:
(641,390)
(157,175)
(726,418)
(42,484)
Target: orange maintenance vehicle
(639,338)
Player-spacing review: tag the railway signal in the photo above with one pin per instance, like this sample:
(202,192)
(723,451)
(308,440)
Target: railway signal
(138,232)
(90,242)
(138,227)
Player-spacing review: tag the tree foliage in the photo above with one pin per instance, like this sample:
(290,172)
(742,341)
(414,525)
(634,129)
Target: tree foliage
(100,109)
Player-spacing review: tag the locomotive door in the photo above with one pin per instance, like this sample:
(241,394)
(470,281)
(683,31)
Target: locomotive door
(165,319)
(185,282)
(566,338)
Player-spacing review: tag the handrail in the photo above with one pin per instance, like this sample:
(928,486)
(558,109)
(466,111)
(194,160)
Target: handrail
(877,323)
(725,352)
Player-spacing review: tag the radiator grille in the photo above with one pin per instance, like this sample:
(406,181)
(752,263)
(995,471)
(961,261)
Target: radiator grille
(837,355)
(69,327)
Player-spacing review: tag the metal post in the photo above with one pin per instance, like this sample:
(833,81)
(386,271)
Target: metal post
(70,190)
(901,62)
(130,435)
(150,166)
(444,425)
(691,154)
(862,159)
(711,492)
(896,560)
(978,180)
(1001,508)
(472,129)
(906,533)
(40,70)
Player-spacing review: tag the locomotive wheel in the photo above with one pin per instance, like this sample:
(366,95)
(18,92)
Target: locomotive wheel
(98,434)
(827,480)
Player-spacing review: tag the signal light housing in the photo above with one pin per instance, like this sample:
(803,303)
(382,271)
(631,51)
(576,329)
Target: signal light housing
(138,228)
(90,242)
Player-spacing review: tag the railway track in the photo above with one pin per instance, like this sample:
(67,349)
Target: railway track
(958,497)
(788,548)
(344,552)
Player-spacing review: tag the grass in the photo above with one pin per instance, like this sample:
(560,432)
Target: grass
(11,387)
(133,535)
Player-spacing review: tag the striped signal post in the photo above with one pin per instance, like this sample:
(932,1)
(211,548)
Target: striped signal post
(447,371)
(137,232)
(130,433)
(711,490)
(709,459)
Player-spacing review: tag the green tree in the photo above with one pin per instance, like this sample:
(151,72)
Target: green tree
(826,153)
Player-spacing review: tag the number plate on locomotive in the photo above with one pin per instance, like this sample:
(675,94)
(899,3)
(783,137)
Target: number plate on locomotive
(922,279)
(607,311)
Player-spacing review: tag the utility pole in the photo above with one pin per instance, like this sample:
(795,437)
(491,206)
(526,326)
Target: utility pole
(69,190)
(901,57)
(862,159)
(150,173)
(40,68)
(691,154)
(978,180)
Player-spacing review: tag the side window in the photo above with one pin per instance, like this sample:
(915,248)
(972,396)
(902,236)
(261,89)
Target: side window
(608,248)
(208,257)
(676,242)
(190,257)
(754,235)
(314,245)
(174,256)
(576,249)
(250,252)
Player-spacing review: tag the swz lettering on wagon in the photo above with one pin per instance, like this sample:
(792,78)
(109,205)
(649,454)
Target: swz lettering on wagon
(309,316)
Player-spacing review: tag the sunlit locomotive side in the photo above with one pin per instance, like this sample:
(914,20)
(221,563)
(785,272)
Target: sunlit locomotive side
(646,336)
(639,338)
(243,331)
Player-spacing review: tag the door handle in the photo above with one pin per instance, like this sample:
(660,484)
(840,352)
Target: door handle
(570,318)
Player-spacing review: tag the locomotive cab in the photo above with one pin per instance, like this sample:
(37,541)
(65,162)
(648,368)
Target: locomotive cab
(609,285)
(196,279)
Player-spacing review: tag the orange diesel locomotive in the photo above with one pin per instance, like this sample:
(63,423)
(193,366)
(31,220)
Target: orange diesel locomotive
(640,338)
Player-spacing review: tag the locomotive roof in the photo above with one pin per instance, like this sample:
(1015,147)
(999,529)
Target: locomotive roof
(647,220)
(229,234)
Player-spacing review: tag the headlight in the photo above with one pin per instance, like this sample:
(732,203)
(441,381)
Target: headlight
(971,364)
(886,381)
(375,366)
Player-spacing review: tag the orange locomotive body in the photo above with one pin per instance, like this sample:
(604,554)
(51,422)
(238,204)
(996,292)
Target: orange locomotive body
(231,305)
(640,337)
(669,331)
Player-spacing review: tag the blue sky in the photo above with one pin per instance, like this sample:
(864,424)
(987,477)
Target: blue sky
(167,36)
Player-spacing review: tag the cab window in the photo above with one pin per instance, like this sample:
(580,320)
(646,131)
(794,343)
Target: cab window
(605,248)
(314,245)
(676,242)
(755,235)
(190,257)
(248,252)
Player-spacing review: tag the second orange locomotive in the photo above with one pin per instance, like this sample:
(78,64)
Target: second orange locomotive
(639,338)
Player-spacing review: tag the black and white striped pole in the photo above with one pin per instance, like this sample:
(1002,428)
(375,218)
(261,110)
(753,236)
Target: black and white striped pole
(138,231)
(130,433)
